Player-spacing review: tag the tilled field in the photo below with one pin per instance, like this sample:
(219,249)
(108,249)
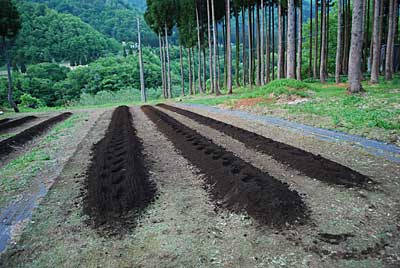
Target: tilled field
(314,166)
(173,188)
(9,145)
(234,183)
(6,125)
(118,183)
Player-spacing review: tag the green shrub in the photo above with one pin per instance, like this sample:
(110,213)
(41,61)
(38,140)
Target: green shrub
(31,102)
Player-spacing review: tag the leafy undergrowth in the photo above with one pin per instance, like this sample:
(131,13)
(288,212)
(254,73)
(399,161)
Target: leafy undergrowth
(373,114)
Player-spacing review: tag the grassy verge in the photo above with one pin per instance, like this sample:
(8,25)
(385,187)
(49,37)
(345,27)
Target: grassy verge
(374,114)
(17,175)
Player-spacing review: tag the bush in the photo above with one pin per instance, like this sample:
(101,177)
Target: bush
(31,102)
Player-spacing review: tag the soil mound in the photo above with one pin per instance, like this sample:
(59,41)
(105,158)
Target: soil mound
(15,123)
(311,165)
(117,183)
(9,145)
(234,184)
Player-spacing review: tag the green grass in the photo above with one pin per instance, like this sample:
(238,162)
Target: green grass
(374,114)
(17,175)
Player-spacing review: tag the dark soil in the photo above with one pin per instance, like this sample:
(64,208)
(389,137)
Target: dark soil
(4,126)
(9,145)
(117,183)
(235,184)
(311,165)
(2,121)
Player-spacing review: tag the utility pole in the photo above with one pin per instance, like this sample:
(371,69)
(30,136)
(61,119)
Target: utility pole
(142,88)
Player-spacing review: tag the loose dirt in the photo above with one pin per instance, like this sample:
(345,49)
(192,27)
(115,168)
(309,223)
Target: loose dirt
(15,123)
(314,166)
(118,185)
(235,184)
(9,145)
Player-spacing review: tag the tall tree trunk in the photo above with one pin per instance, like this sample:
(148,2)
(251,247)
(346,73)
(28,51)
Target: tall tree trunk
(311,40)
(346,50)
(268,47)
(376,43)
(224,50)
(218,62)
(280,41)
(339,48)
(10,83)
(210,53)
(237,36)
(299,40)
(142,88)
(258,48)
(244,52)
(291,41)
(250,26)
(215,29)
(284,36)
(204,69)
(200,82)
(162,65)
(390,41)
(322,69)
(193,51)
(315,66)
(262,73)
(228,47)
(168,64)
(273,41)
(356,47)
(182,72)
(190,72)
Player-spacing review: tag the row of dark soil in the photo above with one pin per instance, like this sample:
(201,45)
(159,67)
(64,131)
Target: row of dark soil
(9,145)
(234,184)
(6,125)
(2,121)
(117,184)
(311,165)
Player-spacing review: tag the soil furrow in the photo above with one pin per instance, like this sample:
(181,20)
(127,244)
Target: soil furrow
(311,165)
(117,184)
(234,184)
(5,120)
(15,123)
(9,145)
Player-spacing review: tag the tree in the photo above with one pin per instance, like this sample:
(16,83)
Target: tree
(390,40)
(299,39)
(339,48)
(142,87)
(291,40)
(355,57)
(228,45)
(376,42)
(322,69)
(10,25)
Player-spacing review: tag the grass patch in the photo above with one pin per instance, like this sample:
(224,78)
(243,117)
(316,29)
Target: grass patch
(17,175)
(374,114)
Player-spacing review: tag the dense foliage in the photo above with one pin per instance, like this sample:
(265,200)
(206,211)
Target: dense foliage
(114,18)
(48,36)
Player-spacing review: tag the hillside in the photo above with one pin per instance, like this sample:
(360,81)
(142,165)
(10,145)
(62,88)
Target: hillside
(114,18)
(47,35)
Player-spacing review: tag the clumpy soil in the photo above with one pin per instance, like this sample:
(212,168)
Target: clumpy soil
(234,183)
(314,166)
(118,183)
(9,145)
(5,126)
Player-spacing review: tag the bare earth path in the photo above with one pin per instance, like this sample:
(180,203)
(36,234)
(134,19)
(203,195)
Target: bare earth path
(349,227)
